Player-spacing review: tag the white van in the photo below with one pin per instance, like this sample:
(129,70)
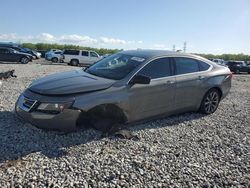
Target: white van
(77,57)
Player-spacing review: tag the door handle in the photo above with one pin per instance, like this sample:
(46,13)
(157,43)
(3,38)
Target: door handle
(170,82)
(201,77)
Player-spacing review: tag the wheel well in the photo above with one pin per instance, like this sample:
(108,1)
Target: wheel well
(23,57)
(218,89)
(104,111)
(74,60)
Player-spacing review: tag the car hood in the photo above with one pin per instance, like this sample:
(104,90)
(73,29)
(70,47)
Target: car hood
(69,82)
(23,53)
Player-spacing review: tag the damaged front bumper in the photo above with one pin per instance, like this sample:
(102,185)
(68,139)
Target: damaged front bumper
(26,108)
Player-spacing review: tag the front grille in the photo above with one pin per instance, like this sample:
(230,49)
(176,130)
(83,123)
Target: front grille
(29,103)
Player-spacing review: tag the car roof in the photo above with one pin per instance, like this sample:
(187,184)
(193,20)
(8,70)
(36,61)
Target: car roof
(2,47)
(149,54)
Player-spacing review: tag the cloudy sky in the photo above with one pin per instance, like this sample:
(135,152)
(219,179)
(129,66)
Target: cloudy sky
(207,26)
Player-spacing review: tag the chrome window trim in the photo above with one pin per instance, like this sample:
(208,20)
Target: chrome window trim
(173,56)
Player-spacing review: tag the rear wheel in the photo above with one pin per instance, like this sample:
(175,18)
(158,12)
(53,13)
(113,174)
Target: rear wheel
(104,124)
(54,59)
(210,102)
(74,62)
(24,60)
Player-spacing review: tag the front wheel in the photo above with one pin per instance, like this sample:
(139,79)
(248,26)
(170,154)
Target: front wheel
(210,102)
(74,62)
(54,59)
(24,60)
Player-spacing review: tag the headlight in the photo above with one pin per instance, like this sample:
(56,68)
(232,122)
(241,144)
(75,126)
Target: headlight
(54,107)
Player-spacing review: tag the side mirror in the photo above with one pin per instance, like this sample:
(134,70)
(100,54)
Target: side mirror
(140,79)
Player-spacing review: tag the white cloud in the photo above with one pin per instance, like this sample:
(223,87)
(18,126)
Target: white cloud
(112,41)
(69,39)
(77,39)
(45,37)
(11,36)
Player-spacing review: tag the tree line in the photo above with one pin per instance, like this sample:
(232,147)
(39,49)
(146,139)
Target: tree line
(102,51)
(226,57)
(46,47)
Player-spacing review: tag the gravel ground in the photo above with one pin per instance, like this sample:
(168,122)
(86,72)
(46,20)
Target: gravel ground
(189,150)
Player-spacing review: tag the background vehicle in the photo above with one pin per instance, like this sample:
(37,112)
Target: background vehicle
(18,47)
(11,55)
(238,66)
(218,61)
(77,57)
(125,87)
(9,44)
(54,55)
(42,52)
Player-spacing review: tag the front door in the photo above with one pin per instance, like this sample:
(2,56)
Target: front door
(157,97)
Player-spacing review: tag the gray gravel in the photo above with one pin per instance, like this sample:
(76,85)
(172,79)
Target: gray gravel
(189,150)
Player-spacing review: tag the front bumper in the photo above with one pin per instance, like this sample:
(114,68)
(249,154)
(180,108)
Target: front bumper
(64,121)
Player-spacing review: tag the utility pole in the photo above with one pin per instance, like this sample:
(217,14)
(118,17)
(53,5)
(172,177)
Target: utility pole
(174,47)
(185,47)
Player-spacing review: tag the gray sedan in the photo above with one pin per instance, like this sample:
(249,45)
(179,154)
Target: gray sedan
(125,87)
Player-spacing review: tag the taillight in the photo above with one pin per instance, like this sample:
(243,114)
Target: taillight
(231,75)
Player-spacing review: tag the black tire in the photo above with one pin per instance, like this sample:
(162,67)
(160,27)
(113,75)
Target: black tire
(54,59)
(103,125)
(248,72)
(24,60)
(74,62)
(210,101)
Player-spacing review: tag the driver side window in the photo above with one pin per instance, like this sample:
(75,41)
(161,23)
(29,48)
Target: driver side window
(158,68)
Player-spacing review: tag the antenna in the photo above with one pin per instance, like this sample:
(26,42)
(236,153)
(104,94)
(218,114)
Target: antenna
(174,47)
(184,46)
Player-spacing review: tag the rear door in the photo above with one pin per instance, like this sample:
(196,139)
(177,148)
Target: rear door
(84,57)
(157,97)
(6,55)
(189,80)
(2,54)
(71,54)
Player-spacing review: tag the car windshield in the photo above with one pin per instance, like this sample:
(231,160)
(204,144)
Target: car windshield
(115,67)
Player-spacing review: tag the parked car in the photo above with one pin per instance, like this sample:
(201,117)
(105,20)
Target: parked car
(54,56)
(35,54)
(125,87)
(77,57)
(9,44)
(11,55)
(218,61)
(42,52)
(238,66)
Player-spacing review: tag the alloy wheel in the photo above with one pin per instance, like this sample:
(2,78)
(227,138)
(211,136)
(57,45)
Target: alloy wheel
(211,102)
(24,60)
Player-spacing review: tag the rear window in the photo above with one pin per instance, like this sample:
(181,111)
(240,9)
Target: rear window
(71,52)
(4,50)
(186,65)
(85,53)
(203,66)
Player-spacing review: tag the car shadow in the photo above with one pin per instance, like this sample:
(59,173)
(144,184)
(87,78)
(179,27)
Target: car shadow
(19,139)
